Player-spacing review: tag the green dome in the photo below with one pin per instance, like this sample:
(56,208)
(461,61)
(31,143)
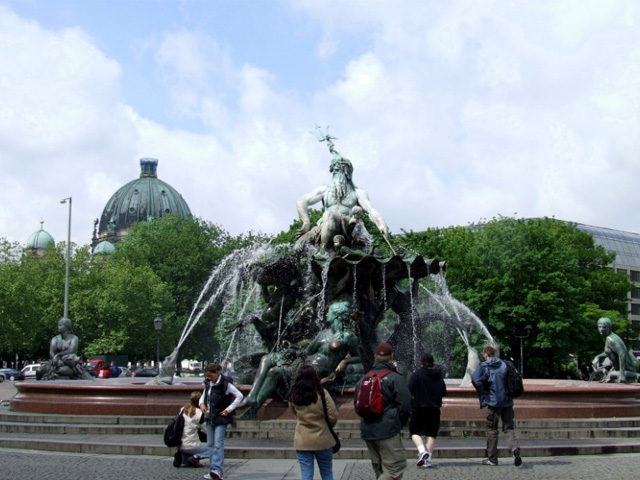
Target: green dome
(105,247)
(140,200)
(40,240)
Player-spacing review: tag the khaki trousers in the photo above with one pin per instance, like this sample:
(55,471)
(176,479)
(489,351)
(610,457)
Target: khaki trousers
(388,457)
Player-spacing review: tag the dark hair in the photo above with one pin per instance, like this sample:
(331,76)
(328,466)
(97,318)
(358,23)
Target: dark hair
(213,368)
(306,386)
(489,350)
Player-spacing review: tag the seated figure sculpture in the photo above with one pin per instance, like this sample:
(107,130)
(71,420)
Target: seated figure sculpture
(616,362)
(330,352)
(63,351)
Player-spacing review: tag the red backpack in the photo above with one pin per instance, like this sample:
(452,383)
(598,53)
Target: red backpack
(370,400)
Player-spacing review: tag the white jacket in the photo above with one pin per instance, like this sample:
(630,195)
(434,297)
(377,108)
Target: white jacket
(190,440)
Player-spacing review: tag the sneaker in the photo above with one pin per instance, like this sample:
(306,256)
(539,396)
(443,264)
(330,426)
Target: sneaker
(177,459)
(422,458)
(427,464)
(491,463)
(212,476)
(517,459)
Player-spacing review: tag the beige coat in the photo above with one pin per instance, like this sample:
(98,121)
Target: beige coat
(312,432)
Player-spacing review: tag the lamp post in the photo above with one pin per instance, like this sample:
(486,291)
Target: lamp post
(66,276)
(157,325)
(528,328)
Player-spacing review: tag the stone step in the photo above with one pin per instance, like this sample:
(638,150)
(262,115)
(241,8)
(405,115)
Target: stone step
(347,430)
(288,424)
(283,449)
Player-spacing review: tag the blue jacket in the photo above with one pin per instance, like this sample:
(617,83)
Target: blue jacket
(489,379)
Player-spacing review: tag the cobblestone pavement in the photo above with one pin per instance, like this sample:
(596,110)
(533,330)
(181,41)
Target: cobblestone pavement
(32,465)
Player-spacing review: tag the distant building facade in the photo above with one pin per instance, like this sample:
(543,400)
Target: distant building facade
(626,246)
(143,199)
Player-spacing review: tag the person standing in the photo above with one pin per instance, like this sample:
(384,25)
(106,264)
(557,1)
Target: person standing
(312,438)
(382,434)
(427,388)
(489,380)
(219,399)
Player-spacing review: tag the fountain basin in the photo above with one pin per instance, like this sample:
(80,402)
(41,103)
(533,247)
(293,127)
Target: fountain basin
(542,399)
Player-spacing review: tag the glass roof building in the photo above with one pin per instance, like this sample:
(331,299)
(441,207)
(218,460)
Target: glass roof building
(626,246)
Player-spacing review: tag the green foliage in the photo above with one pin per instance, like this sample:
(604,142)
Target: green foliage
(160,267)
(31,300)
(542,272)
(182,252)
(115,313)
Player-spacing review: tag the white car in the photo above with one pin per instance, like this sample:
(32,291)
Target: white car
(30,370)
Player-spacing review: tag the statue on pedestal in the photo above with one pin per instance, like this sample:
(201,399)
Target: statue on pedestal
(63,351)
(616,363)
(343,204)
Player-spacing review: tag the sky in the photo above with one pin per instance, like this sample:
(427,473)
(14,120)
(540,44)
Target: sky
(451,112)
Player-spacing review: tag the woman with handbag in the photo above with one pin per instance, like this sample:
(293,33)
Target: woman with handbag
(316,415)
(192,449)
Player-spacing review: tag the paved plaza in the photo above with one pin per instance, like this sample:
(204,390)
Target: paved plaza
(37,465)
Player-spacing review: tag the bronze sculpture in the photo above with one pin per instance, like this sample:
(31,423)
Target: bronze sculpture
(616,363)
(63,351)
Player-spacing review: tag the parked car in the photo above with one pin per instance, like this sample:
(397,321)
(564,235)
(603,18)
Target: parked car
(144,372)
(11,374)
(30,370)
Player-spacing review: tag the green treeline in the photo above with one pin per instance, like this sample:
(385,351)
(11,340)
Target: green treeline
(510,272)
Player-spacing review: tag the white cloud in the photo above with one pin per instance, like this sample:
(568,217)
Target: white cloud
(449,112)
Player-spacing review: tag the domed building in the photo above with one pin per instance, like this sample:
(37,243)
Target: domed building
(140,200)
(40,241)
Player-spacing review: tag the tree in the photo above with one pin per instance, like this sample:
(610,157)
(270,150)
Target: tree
(182,252)
(114,313)
(543,272)
(31,299)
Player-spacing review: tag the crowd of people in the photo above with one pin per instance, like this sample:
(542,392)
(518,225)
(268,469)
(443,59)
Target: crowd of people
(415,402)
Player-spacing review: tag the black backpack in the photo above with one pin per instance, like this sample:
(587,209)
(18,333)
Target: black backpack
(513,382)
(173,432)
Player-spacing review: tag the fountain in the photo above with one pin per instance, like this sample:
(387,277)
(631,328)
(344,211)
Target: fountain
(327,301)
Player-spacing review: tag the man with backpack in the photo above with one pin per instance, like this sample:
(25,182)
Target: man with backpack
(218,401)
(383,401)
(490,381)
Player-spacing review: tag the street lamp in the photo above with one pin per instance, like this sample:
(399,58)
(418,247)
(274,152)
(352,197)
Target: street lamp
(66,276)
(528,328)
(157,325)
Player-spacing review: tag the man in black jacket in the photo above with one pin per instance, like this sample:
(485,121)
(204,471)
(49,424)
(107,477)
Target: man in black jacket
(427,388)
(382,434)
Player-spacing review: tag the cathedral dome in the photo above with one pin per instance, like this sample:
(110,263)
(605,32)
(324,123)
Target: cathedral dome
(140,200)
(105,247)
(40,241)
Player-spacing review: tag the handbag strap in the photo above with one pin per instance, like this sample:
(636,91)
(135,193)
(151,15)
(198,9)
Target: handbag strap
(324,407)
